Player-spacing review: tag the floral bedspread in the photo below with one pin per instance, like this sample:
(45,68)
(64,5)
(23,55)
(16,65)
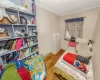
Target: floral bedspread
(36,67)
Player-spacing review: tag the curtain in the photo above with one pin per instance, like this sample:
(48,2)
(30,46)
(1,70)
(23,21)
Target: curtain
(75,27)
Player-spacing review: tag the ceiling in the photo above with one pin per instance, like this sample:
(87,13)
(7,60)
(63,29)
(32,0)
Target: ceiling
(62,7)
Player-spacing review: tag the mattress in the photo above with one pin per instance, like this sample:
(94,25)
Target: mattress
(63,74)
(72,71)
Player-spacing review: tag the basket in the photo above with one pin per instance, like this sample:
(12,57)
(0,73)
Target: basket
(3,34)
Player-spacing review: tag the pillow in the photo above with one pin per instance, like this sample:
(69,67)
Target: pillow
(70,58)
(80,40)
(19,43)
(83,59)
(83,50)
(80,66)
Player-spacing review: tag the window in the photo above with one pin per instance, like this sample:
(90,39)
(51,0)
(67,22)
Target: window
(74,27)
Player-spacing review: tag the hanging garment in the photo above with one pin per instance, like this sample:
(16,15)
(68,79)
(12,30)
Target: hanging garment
(19,43)
(10,73)
(13,46)
(23,20)
(9,44)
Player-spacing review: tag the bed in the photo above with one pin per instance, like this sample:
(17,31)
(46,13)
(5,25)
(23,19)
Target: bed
(69,72)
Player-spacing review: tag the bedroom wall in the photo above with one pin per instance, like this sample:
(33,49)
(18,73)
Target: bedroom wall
(48,23)
(96,50)
(88,27)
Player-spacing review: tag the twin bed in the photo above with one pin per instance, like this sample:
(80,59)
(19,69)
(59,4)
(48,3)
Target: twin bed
(68,71)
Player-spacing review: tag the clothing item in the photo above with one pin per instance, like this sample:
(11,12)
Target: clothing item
(23,20)
(13,46)
(80,66)
(9,44)
(15,56)
(19,43)
(1,72)
(82,59)
(70,58)
(18,33)
(10,73)
(72,44)
(7,58)
(22,53)
(27,51)
(24,73)
(18,63)
(3,50)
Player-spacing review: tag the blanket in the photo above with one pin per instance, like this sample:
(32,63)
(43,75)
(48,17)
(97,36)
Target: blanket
(36,67)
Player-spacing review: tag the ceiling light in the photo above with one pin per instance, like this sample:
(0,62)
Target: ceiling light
(61,1)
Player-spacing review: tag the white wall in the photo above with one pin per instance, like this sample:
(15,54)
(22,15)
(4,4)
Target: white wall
(48,23)
(96,50)
(90,15)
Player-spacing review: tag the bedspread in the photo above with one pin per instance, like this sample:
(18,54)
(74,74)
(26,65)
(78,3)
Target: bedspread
(36,67)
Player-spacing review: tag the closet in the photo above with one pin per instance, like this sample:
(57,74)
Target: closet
(24,29)
(19,40)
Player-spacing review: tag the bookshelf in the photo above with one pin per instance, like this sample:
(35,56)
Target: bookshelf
(30,42)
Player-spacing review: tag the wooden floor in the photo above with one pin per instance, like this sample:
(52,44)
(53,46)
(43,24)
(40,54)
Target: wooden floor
(50,61)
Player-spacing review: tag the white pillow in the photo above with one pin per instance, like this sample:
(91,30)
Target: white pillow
(83,50)
(82,40)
